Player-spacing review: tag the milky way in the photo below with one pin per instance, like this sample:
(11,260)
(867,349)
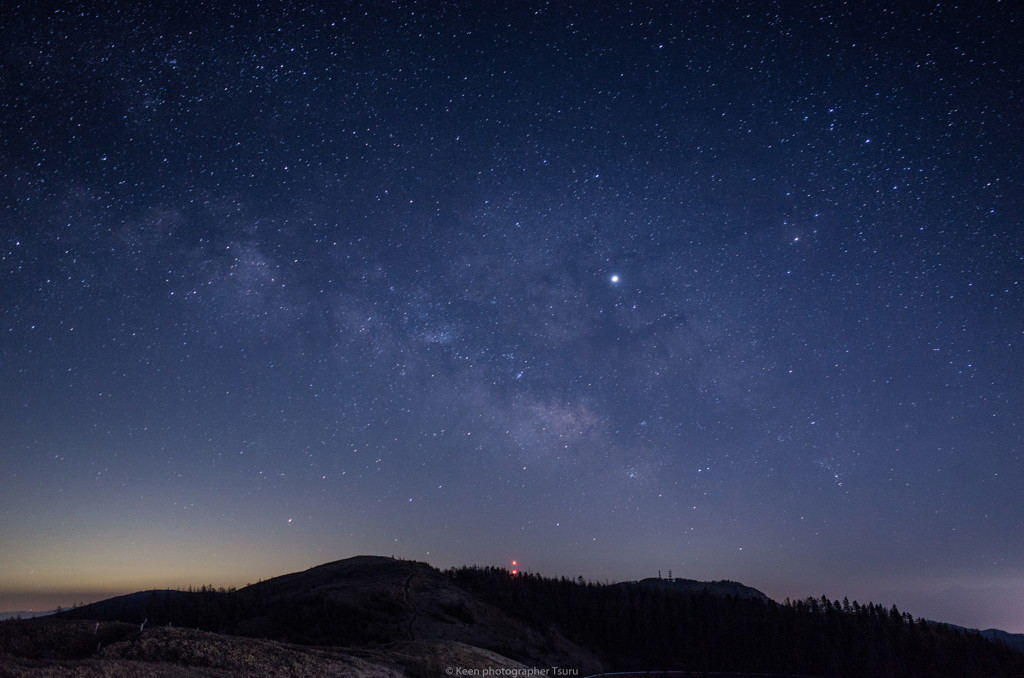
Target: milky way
(608,289)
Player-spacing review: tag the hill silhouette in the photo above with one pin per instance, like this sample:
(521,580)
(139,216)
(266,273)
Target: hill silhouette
(378,616)
(722,587)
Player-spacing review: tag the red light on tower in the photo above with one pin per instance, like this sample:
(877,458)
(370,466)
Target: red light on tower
(515,565)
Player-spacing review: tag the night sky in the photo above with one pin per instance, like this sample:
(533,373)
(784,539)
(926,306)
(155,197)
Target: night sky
(731,289)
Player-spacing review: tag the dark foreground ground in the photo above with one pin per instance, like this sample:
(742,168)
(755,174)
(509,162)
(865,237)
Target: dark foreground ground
(59,647)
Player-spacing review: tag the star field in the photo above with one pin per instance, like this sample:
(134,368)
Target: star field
(726,289)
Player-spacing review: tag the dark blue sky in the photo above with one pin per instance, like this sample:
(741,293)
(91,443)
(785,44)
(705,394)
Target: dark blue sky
(731,289)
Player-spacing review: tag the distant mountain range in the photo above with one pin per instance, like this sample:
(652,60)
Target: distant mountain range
(372,616)
(24,615)
(1014,640)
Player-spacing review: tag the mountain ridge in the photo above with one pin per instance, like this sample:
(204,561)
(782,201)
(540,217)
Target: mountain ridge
(379,616)
(722,587)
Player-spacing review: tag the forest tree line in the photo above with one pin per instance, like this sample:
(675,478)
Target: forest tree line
(637,627)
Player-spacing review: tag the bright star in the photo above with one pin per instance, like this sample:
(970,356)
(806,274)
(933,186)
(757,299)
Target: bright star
(615,278)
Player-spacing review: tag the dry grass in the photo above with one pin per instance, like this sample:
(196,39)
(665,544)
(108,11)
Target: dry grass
(59,648)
